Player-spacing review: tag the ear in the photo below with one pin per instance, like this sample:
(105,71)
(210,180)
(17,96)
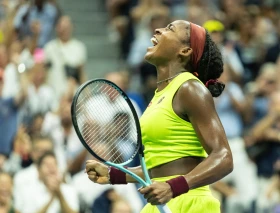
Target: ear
(185,52)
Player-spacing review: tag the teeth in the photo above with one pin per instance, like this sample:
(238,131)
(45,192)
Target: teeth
(154,41)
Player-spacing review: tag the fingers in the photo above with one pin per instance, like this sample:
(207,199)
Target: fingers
(156,193)
(145,190)
(91,165)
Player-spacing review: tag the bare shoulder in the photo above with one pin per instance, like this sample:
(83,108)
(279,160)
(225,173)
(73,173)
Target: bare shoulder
(192,93)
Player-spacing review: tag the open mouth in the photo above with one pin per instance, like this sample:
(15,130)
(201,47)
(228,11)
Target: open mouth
(154,40)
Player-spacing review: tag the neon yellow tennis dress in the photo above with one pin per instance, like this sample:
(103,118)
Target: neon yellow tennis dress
(168,137)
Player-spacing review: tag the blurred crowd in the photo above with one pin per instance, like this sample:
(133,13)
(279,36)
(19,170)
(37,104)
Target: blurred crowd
(41,65)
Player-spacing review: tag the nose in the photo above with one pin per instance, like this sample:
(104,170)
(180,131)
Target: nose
(157,31)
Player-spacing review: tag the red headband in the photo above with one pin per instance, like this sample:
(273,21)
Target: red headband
(197,42)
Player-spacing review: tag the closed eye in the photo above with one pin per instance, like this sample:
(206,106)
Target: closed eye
(170,27)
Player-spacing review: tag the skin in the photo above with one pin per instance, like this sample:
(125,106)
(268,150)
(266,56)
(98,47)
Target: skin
(6,188)
(50,176)
(194,103)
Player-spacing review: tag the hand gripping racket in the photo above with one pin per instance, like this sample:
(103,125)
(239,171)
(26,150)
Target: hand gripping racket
(107,125)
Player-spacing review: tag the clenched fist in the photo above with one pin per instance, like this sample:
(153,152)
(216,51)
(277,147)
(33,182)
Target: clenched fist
(97,172)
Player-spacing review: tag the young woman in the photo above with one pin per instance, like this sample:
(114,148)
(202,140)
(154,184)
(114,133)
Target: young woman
(185,144)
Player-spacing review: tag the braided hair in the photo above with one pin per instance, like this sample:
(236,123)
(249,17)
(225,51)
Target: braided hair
(210,67)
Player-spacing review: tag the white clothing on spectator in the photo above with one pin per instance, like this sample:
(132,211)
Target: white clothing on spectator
(59,54)
(66,148)
(243,177)
(40,100)
(25,177)
(11,82)
(34,197)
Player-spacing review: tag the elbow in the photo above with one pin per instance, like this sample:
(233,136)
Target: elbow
(228,161)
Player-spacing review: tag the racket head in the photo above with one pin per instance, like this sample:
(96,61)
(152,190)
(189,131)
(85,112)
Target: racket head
(84,119)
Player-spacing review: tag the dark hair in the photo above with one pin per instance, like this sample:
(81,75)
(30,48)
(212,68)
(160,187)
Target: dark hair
(210,66)
(46,154)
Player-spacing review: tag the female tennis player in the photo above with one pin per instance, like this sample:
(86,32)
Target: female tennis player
(186,148)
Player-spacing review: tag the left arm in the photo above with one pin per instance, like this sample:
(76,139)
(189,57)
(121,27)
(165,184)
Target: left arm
(198,104)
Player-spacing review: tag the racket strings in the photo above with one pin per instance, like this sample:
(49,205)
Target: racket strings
(107,128)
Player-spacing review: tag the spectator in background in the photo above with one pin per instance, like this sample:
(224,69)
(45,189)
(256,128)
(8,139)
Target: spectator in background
(121,23)
(265,135)
(8,116)
(70,152)
(40,97)
(6,195)
(155,19)
(111,202)
(121,206)
(29,175)
(50,195)
(230,107)
(20,156)
(66,57)
(249,48)
(273,52)
(230,56)
(272,193)
(33,13)
(122,80)
(11,85)
(89,192)
(103,203)
(257,94)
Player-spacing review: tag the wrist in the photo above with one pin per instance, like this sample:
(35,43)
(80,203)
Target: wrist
(178,186)
(116,176)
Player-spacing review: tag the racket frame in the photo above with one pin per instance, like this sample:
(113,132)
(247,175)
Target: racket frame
(139,150)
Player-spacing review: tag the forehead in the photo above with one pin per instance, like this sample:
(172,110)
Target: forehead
(181,24)
(182,28)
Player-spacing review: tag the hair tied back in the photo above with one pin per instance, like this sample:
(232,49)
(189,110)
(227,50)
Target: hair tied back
(210,82)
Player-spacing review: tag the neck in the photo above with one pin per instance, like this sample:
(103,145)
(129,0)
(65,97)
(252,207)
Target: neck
(166,73)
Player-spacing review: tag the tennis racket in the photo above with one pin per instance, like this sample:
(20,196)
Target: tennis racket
(107,125)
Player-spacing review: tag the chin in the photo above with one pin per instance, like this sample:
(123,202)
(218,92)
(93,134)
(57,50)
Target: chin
(149,57)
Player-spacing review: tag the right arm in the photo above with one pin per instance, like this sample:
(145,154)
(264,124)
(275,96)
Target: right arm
(99,173)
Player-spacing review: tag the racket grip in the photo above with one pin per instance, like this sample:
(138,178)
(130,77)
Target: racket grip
(163,208)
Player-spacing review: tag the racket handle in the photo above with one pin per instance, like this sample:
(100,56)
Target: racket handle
(163,208)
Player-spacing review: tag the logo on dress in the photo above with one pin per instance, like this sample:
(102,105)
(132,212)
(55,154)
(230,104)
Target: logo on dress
(160,100)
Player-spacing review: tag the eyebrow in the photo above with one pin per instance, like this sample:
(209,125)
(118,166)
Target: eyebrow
(171,25)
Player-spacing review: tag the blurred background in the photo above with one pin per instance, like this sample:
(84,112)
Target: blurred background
(49,47)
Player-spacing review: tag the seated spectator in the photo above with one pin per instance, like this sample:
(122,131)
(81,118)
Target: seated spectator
(66,56)
(50,194)
(6,195)
(29,175)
